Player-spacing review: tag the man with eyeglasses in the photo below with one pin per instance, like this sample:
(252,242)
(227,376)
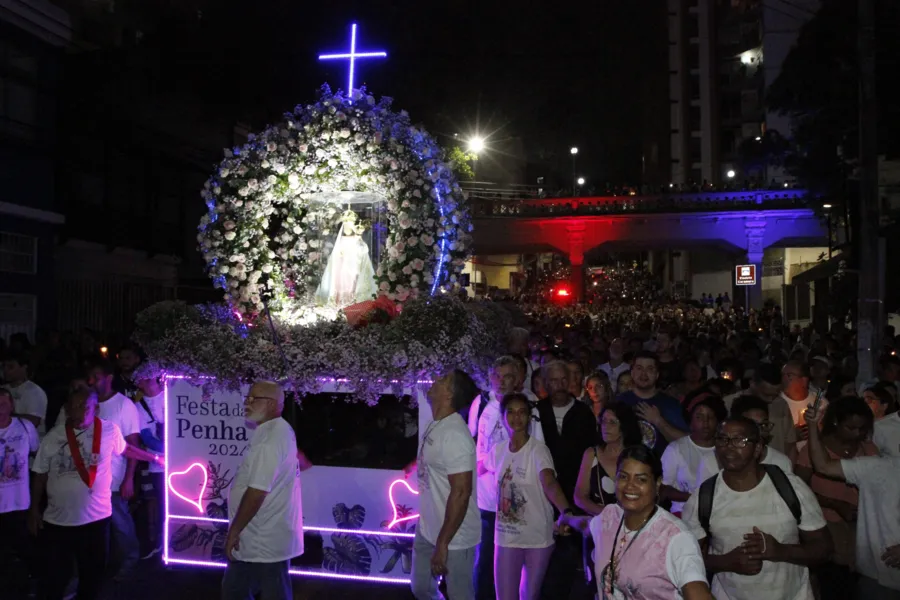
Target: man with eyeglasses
(755,409)
(766,385)
(762,528)
(265,519)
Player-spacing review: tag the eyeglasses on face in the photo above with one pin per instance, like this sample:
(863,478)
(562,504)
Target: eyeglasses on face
(723,441)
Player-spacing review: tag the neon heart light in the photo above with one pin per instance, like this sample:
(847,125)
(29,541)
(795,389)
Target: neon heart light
(396,520)
(199,500)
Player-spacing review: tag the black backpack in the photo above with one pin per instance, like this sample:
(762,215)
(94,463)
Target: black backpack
(483,399)
(779,480)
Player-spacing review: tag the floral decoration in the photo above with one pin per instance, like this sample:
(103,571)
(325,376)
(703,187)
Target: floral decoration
(211,346)
(266,237)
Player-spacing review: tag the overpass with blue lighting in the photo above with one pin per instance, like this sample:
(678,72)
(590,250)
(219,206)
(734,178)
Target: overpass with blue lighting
(742,224)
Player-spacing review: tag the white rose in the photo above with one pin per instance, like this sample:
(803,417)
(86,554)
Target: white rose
(345,133)
(417,193)
(267,268)
(230,235)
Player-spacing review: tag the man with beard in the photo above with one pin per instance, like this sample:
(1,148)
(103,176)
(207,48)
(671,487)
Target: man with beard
(661,414)
(760,528)
(265,519)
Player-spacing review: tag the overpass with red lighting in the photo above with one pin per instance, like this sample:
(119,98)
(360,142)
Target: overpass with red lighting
(742,224)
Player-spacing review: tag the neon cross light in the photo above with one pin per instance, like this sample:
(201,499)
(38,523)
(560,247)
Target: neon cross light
(352,56)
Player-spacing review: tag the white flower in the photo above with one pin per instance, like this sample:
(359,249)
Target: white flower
(303,148)
(384,286)
(224,269)
(297,229)
(412,241)
(314,256)
(405,204)
(230,235)
(429,223)
(427,240)
(271,146)
(414,280)
(223,172)
(417,193)
(267,268)
(359,139)
(243,191)
(392,276)
(228,225)
(418,264)
(407,270)
(342,117)
(345,133)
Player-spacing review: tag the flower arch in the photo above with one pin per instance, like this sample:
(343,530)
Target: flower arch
(266,236)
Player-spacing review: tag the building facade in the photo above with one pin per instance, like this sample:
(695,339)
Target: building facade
(723,55)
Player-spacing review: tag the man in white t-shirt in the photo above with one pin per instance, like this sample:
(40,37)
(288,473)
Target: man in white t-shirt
(18,441)
(505,375)
(74,466)
(887,435)
(30,400)
(118,409)
(150,405)
(754,545)
(755,409)
(449,525)
(796,391)
(265,516)
(878,524)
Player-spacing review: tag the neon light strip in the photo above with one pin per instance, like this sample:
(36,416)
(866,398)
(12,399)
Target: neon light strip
(362,532)
(321,574)
(331,379)
(166,378)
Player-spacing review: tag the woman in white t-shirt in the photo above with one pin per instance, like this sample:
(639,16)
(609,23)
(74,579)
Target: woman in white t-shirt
(642,550)
(526,485)
(683,458)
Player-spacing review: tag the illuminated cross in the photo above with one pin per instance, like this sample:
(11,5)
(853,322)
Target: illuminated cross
(352,56)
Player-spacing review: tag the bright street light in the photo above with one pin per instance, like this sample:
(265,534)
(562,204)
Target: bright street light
(581,181)
(730,174)
(759,138)
(573,150)
(476,144)
(826,206)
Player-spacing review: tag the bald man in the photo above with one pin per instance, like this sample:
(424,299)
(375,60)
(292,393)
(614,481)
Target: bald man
(264,508)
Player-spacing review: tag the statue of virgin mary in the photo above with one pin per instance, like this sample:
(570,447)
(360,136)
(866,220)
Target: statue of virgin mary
(349,276)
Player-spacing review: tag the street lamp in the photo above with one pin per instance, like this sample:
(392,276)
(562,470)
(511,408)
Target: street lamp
(476,144)
(574,152)
(581,181)
(730,174)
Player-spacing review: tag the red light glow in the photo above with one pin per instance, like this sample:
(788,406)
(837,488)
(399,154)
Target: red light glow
(562,292)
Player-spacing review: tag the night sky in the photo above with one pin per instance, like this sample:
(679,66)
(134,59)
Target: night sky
(550,74)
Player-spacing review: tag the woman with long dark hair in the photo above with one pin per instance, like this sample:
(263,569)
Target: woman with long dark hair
(595,487)
(526,487)
(642,551)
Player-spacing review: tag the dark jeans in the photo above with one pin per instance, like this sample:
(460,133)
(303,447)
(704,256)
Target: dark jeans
(152,512)
(17,560)
(124,537)
(87,546)
(243,580)
(563,568)
(484,558)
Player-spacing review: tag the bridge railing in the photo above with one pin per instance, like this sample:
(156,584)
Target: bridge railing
(503,205)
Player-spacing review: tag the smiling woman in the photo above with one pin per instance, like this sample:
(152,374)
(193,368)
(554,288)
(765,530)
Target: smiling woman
(641,549)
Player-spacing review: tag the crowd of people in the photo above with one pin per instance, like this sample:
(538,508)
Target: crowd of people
(657,452)
(631,451)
